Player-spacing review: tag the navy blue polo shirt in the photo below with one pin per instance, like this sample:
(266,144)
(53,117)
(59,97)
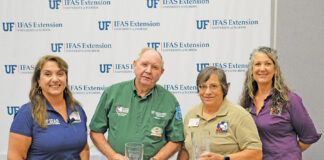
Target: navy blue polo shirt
(60,140)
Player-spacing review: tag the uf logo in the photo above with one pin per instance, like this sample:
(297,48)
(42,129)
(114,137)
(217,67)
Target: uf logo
(56,47)
(201,66)
(12,110)
(10,69)
(8,26)
(104,68)
(53,4)
(202,24)
(154,45)
(104,25)
(152,3)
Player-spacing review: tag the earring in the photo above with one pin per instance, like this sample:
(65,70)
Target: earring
(65,90)
(39,91)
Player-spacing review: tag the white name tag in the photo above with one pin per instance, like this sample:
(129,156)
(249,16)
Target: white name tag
(193,122)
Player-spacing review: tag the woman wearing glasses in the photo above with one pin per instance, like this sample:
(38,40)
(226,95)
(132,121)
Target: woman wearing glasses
(233,133)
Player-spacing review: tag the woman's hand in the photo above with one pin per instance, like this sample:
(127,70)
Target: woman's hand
(211,156)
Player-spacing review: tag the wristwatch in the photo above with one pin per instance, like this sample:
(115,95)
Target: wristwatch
(226,157)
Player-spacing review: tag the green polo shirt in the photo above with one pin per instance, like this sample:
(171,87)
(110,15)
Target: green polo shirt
(231,130)
(153,120)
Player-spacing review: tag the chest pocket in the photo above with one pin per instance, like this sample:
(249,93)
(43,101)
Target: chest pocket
(117,115)
(160,118)
(157,123)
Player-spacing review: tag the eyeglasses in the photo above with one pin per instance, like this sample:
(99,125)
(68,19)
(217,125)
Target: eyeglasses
(203,87)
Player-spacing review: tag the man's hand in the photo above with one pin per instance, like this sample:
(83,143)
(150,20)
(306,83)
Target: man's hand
(118,156)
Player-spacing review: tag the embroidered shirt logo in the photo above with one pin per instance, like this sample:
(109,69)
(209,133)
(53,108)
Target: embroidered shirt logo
(158,115)
(75,117)
(222,127)
(121,111)
(178,113)
(275,111)
(52,122)
(156,131)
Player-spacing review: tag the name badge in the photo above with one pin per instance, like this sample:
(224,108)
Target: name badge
(193,122)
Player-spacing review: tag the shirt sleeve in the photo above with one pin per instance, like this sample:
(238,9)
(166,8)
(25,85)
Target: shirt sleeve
(23,122)
(301,121)
(174,131)
(247,134)
(99,122)
(84,116)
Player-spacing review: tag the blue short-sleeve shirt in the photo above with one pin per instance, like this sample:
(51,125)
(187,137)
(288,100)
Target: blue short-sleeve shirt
(60,140)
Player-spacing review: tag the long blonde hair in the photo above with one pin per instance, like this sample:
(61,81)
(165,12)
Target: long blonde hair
(280,90)
(37,99)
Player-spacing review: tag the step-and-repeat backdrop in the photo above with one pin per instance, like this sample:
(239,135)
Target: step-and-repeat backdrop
(100,39)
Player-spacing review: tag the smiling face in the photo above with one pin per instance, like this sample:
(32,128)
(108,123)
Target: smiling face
(210,92)
(263,69)
(52,80)
(148,69)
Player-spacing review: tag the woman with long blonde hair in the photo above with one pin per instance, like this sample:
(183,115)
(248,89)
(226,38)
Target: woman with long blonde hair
(284,126)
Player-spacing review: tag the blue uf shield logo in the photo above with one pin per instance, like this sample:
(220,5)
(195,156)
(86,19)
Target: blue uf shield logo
(12,110)
(152,3)
(7,26)
(202,24)
(104,25)
(53,4)
(56,47)
(104,68)
(201,66)
(10,69)
(154,45)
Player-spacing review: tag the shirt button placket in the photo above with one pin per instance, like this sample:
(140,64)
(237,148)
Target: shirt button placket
(139,117)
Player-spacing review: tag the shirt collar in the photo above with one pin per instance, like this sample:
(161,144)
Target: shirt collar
(135,91)
(253,108)
(270,94)
(199,111)
(50,107)
(222,111)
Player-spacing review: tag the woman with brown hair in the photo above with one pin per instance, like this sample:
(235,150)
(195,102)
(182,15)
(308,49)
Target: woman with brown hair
(284,126)
(53,124)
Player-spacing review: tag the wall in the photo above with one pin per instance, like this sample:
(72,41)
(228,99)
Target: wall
(300,46)
(99,41)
